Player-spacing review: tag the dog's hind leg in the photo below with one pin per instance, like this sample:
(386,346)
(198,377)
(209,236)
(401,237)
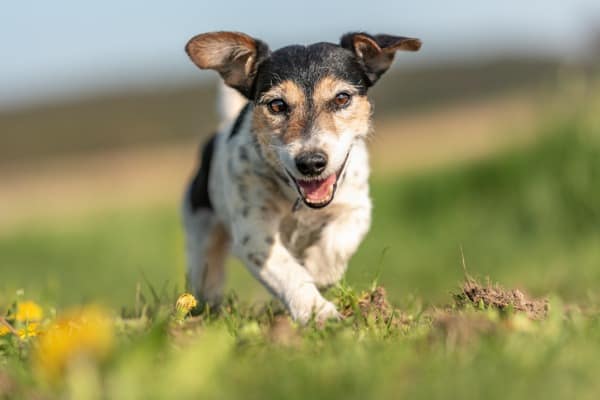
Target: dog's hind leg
(206,240)
(206,244)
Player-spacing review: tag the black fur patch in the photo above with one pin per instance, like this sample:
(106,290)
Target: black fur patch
(238,122)
(307,65)
(199,187)
(244,154)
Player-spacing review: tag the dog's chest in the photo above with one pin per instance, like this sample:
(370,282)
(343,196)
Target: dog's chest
(301,230)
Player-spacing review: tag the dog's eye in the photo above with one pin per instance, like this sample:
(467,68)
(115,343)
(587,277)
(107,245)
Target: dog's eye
(277,106)
(342,99)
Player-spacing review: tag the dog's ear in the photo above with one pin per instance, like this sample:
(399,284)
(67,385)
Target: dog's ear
(376,53)
(235,56)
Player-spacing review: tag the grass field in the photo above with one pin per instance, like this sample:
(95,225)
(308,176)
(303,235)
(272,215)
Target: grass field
(527,217)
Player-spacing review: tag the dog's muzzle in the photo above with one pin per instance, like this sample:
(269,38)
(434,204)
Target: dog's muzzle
(318,192)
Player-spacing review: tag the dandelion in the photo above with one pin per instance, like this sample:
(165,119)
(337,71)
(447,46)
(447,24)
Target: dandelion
(25,322)
(82,334)
(185,303)
(28,311)
(4,330)
(32,329)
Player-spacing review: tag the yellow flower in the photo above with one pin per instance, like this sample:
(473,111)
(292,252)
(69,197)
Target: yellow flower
(28,311)
(4,329)
(185,303)
(85,333)
(32,329)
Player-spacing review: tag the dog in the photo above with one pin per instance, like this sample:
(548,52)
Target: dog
(284,185)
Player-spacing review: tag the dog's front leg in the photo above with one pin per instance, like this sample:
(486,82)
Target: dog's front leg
(328,259)
(258,245)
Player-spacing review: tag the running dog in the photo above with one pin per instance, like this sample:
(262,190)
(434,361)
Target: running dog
(284,185)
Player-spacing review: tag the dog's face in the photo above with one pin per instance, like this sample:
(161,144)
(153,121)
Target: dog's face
(310,102)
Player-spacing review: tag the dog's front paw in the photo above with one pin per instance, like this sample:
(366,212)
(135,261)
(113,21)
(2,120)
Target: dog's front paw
(326,312)
(309,304)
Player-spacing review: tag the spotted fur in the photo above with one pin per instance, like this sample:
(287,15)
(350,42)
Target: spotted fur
(253,183)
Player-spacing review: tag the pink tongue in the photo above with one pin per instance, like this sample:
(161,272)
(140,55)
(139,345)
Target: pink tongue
(318,191)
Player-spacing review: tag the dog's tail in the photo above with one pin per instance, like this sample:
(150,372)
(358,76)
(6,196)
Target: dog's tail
(229,103)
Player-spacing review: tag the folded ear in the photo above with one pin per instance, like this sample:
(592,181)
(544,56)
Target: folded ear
(376,53)
(235,56)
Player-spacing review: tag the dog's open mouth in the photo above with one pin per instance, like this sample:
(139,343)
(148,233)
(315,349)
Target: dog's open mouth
(319,192)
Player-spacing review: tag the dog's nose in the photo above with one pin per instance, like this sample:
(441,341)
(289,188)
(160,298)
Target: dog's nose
(311,163)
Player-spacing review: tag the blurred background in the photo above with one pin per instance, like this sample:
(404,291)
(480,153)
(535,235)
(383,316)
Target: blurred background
(486,141)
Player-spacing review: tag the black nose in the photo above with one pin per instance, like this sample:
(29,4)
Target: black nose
(311,163)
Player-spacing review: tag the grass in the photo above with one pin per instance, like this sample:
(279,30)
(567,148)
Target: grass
(465,350)
(528,218)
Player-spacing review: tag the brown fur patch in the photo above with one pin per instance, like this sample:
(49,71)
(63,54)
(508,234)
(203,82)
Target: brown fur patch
(292,94)
(265,127)
(354,118)
(287,128)
(327,88)
(358,117)
(216,252)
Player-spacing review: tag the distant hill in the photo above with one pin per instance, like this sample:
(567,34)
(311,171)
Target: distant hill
(130,118)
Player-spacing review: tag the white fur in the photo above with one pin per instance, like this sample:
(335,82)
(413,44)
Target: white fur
(229,103)
(256,209)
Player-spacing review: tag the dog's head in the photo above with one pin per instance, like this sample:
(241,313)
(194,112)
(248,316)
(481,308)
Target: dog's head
(310,102)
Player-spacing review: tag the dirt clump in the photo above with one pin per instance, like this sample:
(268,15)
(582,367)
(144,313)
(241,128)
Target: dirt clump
(495,296)
(373,305)
(375,302)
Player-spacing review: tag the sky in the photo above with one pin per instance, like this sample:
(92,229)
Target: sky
(61,48)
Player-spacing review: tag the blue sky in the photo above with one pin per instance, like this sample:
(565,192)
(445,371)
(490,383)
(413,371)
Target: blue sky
(61,48)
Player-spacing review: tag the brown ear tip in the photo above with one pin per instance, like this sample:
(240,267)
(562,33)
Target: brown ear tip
(201,37)
(196,46)
(193,50)
(188,46)
(192,42)
(414,44)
